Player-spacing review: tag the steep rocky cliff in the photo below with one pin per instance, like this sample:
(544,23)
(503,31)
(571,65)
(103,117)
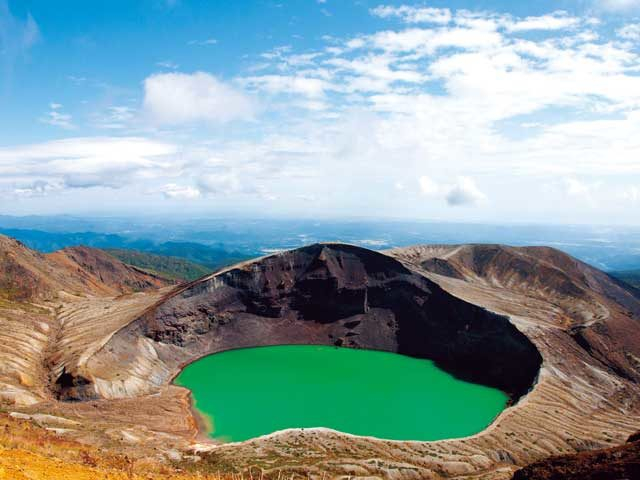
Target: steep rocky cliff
(322,294)
(597,311)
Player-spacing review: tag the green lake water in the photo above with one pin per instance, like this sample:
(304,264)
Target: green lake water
(251,392)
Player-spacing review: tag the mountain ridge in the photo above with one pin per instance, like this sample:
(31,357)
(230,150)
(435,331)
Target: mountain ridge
(28,275)
(111,358)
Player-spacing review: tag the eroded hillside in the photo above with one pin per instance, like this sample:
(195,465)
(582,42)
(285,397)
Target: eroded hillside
(40,297)
(560,336)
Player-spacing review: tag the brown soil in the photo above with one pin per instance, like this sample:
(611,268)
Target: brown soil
(121,350)
(102,273)
(29,452)
(617,463)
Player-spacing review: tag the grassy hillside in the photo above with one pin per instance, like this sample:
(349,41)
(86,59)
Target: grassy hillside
(165,266)
(632,277)
(211,257)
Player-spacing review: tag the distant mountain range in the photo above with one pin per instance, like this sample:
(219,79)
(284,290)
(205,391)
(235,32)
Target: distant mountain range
(213,241)
(191,260)
(632,277)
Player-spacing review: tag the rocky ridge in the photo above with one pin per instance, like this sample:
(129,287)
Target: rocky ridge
(328,294)
(117,354)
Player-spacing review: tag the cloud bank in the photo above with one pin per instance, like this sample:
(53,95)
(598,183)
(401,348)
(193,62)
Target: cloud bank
(475,109)
(178,98)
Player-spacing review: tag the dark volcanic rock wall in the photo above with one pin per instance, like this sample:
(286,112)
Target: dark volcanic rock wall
(600,313)
(618,463)
(342,295)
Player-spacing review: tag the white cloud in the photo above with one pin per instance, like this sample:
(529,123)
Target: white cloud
(57,118)
(410,14)
(203,43)
(168,64)
(584,194)
(630,32)
(115,117)
(16,36)
(241,180)
(77,80)
(576,188)
(526,107)
(85,163)
(618,5)
(631,194)
(37,188)
(307,86)
(458,100)
(178,98)
(556,21)
(428,186)
(221,183)
(464,192)
(172,190)
(425,42)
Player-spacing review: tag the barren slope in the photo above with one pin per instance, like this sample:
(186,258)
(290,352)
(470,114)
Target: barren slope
(104,274)
(120,353)
(616,463)
(26,275)
(30,452)
(54,307)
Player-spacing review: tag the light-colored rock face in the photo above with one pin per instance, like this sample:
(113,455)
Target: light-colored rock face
(584,325)
(56,311)
(56,308)
(24,336)
(37,342)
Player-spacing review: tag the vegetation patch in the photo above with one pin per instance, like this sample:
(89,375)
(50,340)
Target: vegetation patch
(173,268)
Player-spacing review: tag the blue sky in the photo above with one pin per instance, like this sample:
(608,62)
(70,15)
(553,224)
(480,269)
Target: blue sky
(487,110)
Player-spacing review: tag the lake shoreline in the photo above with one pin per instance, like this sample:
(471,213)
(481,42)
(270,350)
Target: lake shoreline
(270,389)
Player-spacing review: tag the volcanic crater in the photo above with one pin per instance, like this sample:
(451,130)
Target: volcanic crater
(560,337)
(325,294)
